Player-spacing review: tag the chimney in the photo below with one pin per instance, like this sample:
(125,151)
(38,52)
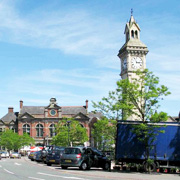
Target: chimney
(86,104)
(10,110)
(21,104)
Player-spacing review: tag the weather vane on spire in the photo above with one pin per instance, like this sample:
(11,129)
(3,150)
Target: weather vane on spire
(131,11)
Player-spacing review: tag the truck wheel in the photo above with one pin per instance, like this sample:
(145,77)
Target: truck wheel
(149,167)
(48,164)
(106,166)
(83,166)
(64,167)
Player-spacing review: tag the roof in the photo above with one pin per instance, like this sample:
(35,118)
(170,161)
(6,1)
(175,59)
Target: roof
(65,109)
(9,117)
(97,115)
(73,109)
(32,109)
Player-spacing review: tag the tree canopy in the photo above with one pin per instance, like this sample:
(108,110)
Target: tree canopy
(77,133)
(12,141)
(139,97)
(103,132)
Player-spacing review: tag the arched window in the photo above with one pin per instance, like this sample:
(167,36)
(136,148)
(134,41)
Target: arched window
(52,130)
(136,34)
(132,34)
(26,128)
(39,130)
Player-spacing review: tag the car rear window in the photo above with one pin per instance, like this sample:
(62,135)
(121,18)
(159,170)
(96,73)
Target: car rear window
(72,151)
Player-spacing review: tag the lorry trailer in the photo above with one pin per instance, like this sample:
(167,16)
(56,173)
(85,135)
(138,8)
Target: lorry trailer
(164,151)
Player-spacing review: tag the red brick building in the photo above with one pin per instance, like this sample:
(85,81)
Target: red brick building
(39,121)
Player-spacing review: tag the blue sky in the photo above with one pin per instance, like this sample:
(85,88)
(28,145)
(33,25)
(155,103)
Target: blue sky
(68,49)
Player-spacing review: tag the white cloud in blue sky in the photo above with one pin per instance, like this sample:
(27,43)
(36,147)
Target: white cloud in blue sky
(68,49)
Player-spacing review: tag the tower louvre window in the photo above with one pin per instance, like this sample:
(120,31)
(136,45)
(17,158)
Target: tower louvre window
(136,34)
(132,34)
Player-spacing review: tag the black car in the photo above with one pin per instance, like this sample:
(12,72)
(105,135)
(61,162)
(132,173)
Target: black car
(84,158)
(38,156)
(45,152)
(54,155)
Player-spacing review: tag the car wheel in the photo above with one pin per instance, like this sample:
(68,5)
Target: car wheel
(64,167)
(84,166)
(48,164)
(106,166)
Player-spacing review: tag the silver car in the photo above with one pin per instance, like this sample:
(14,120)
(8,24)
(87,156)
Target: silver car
(15,155)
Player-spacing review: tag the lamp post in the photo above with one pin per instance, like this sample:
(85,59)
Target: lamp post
(68,124)
(47,139)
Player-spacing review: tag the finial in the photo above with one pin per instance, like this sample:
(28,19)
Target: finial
(131,11)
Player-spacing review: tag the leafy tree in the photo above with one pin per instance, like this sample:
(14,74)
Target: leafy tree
(12,141)
(77,133)
(138,98)
(103,133)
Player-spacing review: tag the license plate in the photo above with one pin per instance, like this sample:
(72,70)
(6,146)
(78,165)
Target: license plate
(51,160)
(67,160)
(14,156)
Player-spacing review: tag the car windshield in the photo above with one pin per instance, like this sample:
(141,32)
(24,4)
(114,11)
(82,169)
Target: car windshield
(72,151)
(97,151)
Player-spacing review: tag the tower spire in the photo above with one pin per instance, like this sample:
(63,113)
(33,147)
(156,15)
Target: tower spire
(131,11)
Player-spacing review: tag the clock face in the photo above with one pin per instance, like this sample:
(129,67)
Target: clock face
(136,62)
(124,64)
(53,112)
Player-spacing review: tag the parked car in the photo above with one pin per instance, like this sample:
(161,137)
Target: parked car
(84,158)
(45,152)
(34,157)
(54,155)
(15,155)
(31,156)
(4,154)
(38,156)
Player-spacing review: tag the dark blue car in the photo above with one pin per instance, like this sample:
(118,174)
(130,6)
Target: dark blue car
(54,155)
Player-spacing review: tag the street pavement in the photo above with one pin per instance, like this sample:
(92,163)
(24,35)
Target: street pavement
(24,169)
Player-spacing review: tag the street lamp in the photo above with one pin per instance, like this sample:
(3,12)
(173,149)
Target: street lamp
(47,139)
(68,124)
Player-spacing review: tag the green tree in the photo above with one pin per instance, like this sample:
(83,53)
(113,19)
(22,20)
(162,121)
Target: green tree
(103,133)
(12,141)
(77,133)
(137,98)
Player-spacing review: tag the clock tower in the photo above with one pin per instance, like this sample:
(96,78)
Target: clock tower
(133,53)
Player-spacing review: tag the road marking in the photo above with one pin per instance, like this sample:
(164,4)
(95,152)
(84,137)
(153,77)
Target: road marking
(17,164)
(8,171)
(61,176)
(35,178)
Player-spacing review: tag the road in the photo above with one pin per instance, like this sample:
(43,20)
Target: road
(24,169)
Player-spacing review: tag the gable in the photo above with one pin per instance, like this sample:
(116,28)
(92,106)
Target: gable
(26,116)
(12,122)
(1,123)
(81,116)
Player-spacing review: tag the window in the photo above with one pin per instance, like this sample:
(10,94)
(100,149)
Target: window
(52,130)
(39,130)
(132,34)
(26,128)
(136,34)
